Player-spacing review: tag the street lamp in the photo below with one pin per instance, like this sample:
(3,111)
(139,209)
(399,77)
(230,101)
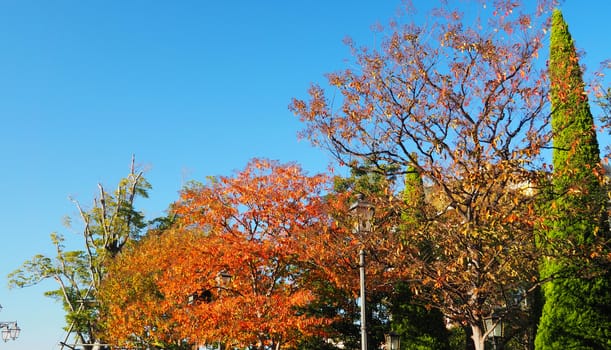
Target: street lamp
(223,279)
(363,211)
(10,330)
(393,341)
(494,324)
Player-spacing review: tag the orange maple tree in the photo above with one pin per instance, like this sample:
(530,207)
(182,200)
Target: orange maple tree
(231,270)
(131,303)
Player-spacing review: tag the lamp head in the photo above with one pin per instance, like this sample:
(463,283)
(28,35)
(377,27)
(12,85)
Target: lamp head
(393,341)
(363,211)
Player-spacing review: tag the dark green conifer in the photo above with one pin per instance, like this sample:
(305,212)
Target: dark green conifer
(576,312)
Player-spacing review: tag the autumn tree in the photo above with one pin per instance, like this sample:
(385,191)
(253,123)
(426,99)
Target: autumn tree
(339,261)
(576,312)
(603,97)
(420,326)
(334,281)
(130,295)
(111,222)
(463,101)
(389,302)
(231,270)
(604,101)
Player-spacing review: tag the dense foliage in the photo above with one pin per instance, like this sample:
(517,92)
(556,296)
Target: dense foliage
(446,129)
(251,228)
(463,103)
(577,309)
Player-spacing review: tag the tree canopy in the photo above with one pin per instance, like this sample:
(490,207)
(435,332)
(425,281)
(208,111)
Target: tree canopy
(448,128)
(251,228)
(462,100)
(111,222)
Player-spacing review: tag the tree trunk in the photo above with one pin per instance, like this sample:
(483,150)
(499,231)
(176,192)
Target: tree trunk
(478,337)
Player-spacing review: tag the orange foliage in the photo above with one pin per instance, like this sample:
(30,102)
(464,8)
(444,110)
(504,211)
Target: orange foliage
(252,226)
(461,99)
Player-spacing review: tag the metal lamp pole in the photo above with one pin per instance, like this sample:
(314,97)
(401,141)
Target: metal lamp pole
(223,279)
(363,211)
(363,308)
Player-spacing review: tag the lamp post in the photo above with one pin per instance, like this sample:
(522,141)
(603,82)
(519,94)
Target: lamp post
(222,280)
(393,341)
(363,212)
(495,325)
(10,330)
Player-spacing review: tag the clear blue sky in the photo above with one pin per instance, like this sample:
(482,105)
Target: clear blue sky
(192,88)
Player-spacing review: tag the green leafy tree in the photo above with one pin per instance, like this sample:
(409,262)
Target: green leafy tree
(420,327)
(111,222)
(577,309)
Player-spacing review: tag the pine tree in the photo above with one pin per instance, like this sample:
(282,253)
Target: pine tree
(576,310)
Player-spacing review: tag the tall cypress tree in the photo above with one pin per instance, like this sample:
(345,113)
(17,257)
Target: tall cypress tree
(576,310)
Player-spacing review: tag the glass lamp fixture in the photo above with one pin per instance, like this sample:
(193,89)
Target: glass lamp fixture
(393,341)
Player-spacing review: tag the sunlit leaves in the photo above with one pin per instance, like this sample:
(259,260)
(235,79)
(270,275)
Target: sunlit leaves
(107,226)
(252,226)
(462,100)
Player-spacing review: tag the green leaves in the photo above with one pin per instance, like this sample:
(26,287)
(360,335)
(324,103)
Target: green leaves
(111,223)
(573,314)
(32,272)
